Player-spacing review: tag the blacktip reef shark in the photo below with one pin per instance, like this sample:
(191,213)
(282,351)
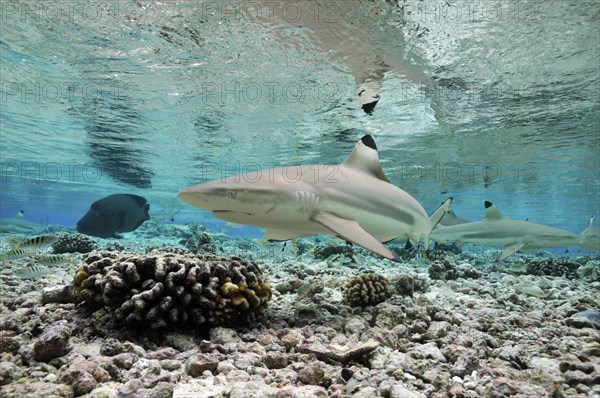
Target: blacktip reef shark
(18,225)
(356,202)
(591,236)
(450,219)
(510,235)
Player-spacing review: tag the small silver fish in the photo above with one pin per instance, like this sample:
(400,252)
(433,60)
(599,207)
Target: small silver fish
(351,386)
(304,288)
(36,242)
(533,291)
(14,254)
(309,288)
(52,259)
(32,272)
(14,240)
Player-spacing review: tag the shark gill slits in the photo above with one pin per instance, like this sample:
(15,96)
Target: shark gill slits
(368,141)
(488,204)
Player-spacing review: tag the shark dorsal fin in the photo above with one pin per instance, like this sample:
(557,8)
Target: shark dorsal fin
(365,157)
(492,212)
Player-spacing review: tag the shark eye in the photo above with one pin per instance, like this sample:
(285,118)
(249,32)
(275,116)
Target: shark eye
(231,193)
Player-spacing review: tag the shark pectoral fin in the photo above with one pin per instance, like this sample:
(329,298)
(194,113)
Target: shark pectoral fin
(353,232)
(274,234)
(510,250)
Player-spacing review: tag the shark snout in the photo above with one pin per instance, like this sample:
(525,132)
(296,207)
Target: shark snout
(192,197)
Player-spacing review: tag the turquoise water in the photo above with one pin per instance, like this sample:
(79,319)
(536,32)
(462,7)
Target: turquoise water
(479,102)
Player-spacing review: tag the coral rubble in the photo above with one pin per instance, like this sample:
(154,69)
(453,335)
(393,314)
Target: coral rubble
(446,270)
(406,284)
(323,250)
(201,243)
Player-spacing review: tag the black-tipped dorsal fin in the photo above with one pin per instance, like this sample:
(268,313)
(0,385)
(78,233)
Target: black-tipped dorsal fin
(365,157)
(492,212)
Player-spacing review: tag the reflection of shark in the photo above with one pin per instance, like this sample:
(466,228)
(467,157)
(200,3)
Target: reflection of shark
(510,235)
(591,236)
(351,36)
(353,200)
(18,225)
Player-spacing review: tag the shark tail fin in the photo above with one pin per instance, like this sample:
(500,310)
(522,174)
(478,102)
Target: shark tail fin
(436,217)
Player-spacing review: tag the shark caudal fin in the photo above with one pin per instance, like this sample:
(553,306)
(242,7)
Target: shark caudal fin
(436,217)
(590,226)
(439,213)
(590,237)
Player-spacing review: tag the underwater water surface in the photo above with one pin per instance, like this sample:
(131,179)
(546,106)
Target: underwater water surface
(484,101)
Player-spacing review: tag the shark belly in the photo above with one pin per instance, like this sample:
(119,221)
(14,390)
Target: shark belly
(382,209)
(274,219)
(381,227)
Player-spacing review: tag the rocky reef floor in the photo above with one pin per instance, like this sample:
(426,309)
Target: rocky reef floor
(454,325)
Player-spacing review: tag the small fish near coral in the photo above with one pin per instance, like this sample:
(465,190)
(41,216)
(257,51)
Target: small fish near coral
(35,242)
(25,247)
(113,214)
(353,200)
(15,254)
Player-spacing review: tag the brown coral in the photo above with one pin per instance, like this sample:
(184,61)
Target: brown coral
(367,289)
(163,289)
(73,243)
(554,267)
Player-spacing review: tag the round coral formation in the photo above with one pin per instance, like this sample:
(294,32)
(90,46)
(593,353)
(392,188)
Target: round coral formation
(446,270)
(201,243)
(73,243)
(436,255)
(554,267)
(323,251)
(162,290)
(367,289)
